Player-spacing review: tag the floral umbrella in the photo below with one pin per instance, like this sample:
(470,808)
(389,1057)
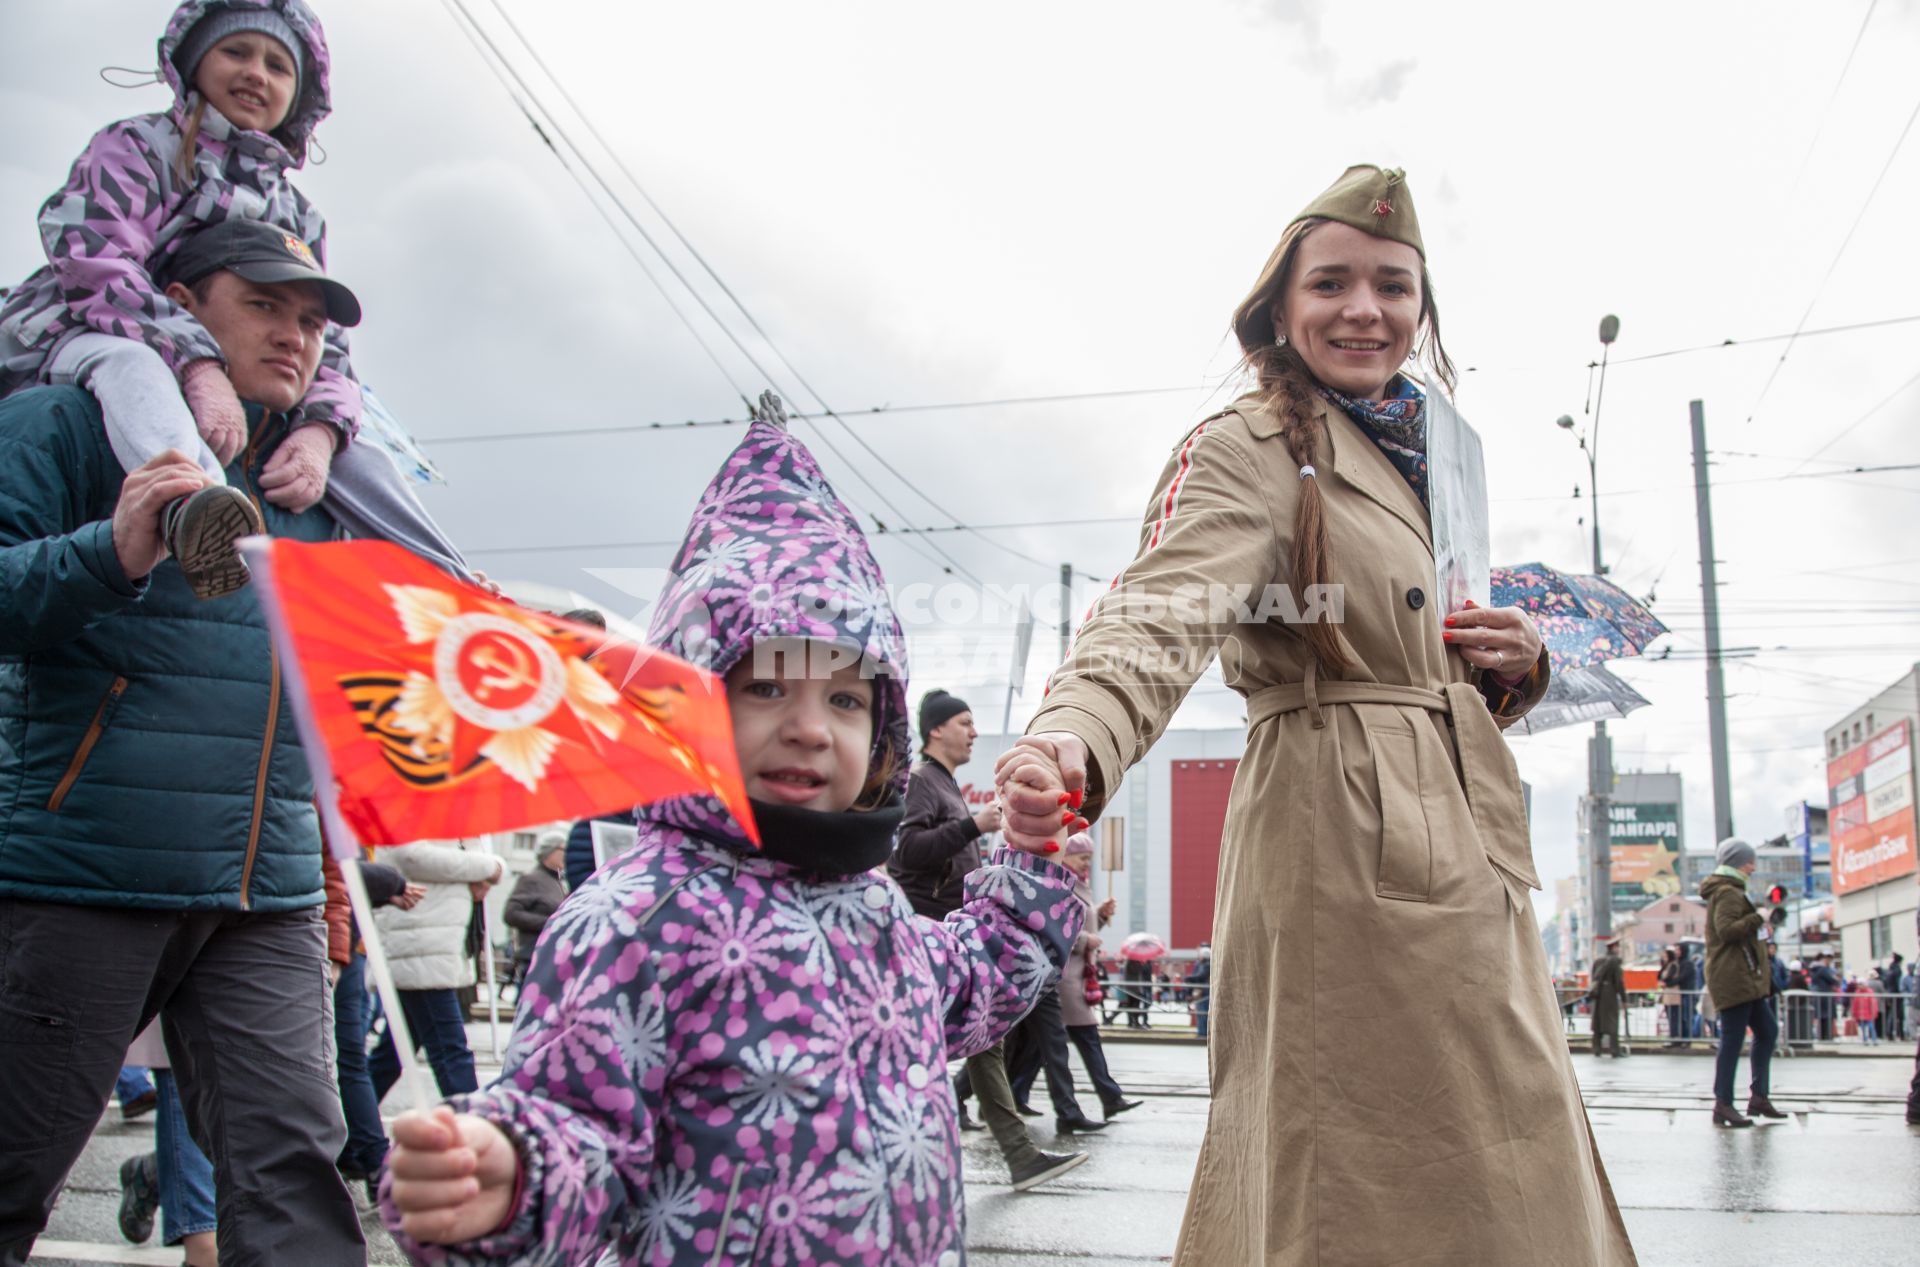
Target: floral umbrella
(1579,695)
(1584,620)
(1142,947)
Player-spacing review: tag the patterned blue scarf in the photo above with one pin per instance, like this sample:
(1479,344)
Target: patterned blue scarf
(1398,425)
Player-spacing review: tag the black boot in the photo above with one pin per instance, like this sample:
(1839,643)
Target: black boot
(203,532)
(1082,1124)
(1043,1167)
(1118,1107)
(139,1196)
(1725,1114)
(1759,1106)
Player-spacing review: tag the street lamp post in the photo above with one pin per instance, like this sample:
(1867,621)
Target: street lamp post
(1599,799)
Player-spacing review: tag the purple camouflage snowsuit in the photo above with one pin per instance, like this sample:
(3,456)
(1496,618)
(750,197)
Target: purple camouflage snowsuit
(722,1059)
(123,213)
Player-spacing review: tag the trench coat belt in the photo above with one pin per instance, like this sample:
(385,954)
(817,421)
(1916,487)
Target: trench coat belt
(1271,701)
(1487,772)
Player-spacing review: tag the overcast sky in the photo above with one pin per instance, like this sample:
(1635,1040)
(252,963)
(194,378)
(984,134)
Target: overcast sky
(928,205)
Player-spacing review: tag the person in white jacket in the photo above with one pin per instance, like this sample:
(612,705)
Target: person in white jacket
(427,948)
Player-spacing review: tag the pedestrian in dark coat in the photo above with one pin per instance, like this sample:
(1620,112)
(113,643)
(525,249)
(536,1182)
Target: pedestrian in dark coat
(581,862)
(1608,994)
(1740,979)
(535,897)
(1825,983)
(1913,1090)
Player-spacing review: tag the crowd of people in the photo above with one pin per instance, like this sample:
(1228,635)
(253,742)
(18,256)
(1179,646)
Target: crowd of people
(1739,986)
(731,1042)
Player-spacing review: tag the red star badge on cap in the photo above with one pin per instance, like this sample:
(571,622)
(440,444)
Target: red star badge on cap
(1382,207)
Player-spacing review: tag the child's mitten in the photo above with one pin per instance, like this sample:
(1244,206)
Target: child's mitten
(296,474)
(217,411)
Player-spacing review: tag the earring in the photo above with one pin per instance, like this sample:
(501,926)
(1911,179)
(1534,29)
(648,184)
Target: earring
(1279,340)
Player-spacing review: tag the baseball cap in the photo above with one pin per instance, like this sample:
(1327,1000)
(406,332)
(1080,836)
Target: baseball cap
(259,252)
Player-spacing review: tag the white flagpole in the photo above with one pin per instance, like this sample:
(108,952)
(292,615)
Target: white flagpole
(257,551)
(493,986)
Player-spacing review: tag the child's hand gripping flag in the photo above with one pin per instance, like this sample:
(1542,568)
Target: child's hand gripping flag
(438,711)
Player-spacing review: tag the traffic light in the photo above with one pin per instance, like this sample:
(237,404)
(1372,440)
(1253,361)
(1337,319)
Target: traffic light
(1776,895)
(1777,899)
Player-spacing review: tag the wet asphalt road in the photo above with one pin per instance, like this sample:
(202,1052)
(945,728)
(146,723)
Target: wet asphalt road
(1838,1184)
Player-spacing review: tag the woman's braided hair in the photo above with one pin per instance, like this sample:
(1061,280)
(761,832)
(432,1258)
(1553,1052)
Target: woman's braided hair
(1284,386)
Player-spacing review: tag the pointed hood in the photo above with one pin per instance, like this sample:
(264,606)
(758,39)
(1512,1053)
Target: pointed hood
(772,552)
(315,101)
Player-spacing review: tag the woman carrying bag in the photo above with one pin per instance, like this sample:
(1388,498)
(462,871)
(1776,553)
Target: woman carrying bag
(1390,1078)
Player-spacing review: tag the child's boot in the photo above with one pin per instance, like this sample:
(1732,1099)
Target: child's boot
(203,532)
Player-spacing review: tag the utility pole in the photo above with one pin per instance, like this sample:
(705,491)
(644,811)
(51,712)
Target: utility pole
(1599,799)
(1710,601)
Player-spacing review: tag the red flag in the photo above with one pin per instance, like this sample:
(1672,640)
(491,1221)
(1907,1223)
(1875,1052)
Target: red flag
(441,711)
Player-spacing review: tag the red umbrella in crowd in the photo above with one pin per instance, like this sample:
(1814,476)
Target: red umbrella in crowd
(1142,947)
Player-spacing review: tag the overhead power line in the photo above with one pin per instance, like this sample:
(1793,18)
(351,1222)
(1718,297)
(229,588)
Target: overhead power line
(1834,263)
(1057,398)
(1820,127)
(746,313)
(505,70)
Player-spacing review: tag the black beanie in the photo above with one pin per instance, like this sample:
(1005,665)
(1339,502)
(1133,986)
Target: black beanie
(937,708)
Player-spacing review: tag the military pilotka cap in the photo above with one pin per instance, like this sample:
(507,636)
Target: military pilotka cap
(1372,199)
(262,253)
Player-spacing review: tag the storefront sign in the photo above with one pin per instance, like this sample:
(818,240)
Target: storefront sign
(1645,840)
(1880,850)
(1890,798)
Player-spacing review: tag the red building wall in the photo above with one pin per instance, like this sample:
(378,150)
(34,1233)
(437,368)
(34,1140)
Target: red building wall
(1199,814)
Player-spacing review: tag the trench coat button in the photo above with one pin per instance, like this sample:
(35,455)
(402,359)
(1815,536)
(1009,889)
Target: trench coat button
(875,896)
(917,1076)
(1415,599)
(950,1259)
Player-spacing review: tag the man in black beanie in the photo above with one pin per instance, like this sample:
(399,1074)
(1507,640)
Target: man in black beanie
(939,839)
(939,844)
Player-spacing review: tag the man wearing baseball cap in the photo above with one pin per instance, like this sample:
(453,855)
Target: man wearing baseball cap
(158,847)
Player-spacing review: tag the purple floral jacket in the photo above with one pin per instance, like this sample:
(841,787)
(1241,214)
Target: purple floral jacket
(720,1059)
(124,211)
(756,1074)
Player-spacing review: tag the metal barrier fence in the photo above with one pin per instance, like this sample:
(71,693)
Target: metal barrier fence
(1146,1005)
(1680,1018)
(1670,1018)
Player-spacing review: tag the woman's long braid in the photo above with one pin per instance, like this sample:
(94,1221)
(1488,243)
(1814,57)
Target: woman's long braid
(1283,381)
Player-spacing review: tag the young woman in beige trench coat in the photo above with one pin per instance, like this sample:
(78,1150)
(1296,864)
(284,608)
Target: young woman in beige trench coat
(1409,1097)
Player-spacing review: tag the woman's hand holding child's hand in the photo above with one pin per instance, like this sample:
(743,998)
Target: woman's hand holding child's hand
(1042,781)
(217,412)
(453,1176)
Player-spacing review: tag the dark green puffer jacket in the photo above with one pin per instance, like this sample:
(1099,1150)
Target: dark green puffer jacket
(147,756)
(1738,967)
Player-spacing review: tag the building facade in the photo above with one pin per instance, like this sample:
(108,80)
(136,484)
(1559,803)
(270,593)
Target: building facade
(1870,808)
(1660,924)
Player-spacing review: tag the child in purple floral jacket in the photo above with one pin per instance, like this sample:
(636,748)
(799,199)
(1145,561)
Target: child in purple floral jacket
(251,82)
(725,1055)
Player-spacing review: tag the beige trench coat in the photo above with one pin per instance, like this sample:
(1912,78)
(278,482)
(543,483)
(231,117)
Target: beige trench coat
(1391,1081)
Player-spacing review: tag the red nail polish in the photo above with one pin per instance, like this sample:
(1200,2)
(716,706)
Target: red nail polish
(1446,637)
(1064,798)
(1052,848)
(1081,824)
(1066,818)
(1079,799)
(1449,622)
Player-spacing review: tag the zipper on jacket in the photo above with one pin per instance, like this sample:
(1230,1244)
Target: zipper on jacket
(273,702)
(87,741)
(726,1216)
